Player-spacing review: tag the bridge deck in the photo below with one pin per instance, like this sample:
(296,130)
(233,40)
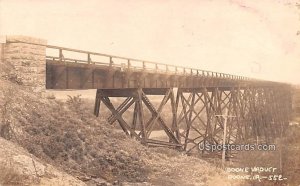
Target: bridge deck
(121,73)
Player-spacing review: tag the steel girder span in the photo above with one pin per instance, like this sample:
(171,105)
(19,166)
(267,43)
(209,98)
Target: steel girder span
(187,118)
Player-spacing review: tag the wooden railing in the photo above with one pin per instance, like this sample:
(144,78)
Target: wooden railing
(133,64)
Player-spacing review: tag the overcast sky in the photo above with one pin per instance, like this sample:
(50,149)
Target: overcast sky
(255,38)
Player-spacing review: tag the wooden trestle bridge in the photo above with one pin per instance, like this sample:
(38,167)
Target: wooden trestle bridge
(194,98)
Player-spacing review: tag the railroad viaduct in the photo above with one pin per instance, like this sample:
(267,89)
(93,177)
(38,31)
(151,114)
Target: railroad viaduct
(195,97)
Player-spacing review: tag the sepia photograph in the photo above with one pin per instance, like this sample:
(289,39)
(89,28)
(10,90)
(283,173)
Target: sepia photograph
(150,93)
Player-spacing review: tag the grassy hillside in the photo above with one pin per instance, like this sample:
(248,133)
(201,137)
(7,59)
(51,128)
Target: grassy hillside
(67,135)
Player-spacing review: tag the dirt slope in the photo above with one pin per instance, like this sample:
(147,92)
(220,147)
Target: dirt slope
(18,167)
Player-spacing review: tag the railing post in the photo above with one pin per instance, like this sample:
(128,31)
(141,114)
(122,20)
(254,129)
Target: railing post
(60,55)
(111,63)
(128,64)
(89,58)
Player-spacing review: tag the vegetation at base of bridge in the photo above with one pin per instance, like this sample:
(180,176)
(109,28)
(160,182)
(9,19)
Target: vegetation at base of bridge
(287,154)
(286,159)
(68,136)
